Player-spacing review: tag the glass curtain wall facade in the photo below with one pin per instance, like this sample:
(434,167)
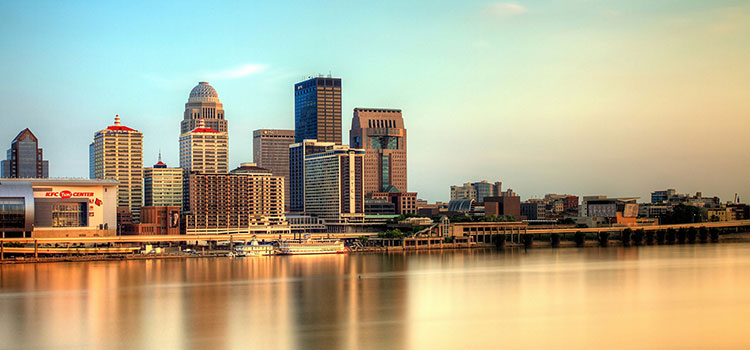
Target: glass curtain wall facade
(317,110)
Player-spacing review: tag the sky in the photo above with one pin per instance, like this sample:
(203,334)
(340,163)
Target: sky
(557,96)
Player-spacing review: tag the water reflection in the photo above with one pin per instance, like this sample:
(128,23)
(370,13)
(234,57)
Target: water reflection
(677,296)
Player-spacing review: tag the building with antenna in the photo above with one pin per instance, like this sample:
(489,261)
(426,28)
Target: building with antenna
(162,185)
(317,110)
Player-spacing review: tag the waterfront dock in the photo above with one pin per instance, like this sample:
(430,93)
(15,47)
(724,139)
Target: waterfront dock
(510,235)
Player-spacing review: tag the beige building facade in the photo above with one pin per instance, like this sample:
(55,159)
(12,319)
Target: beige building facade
(204,150)
(117,153)
(162,186)
(203,104)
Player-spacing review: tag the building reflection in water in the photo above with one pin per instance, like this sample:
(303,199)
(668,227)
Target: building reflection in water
(433,299)
(331,301)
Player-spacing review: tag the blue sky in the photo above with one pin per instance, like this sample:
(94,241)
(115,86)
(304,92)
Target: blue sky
(576,96)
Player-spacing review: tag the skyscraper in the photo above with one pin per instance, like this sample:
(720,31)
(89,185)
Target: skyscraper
(24,158)
(117,153)
(203,104)
(317,110)
(297,154)
(204,150)
(381,133)
(271,151)
(162,186)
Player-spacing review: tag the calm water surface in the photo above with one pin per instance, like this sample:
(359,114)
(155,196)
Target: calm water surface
(692,296)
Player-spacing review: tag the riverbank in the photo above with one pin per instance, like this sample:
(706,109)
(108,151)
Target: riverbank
(729,238)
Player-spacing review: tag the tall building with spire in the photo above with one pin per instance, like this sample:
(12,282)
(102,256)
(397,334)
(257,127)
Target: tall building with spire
(117,153)
(204,150)
(162,185)
(381,133)
(25,158)
(203,104)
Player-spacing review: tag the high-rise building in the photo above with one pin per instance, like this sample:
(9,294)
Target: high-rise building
(317,110)
(248,199)
(162,186)
(271,151)
(334,184)
(204,150)
(203,104)
(24,158)
(117,153)
(381,133)
(297,154)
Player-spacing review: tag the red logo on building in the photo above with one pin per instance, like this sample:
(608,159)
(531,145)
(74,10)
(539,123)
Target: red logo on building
(98,202)
(66,194)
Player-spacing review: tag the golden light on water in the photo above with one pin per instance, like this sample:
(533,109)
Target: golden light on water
(647,297)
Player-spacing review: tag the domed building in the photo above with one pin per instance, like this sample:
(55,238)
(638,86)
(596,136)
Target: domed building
(203,103)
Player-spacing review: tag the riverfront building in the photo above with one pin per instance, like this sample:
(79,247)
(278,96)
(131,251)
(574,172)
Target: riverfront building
(248,199)
(58,207)
(24,158)
(203,104)
(381,133)
(271,151)
(317,110)
(476,190)
(161,220)
(297,154)
(204,150)
(405,203)
(503,206)
(334,184)
(117,153)
(534,210)
(162,186)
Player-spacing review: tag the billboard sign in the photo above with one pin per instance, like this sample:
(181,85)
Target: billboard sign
(174,218)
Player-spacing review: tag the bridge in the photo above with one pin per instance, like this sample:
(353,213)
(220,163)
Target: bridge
(486,234)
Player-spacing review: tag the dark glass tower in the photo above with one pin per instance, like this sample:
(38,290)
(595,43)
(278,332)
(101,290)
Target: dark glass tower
(25,158)
(317,110)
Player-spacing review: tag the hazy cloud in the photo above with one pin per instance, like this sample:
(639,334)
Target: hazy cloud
(238,72)
(502,10)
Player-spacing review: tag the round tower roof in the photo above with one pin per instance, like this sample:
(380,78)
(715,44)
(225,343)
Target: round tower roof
(203,92)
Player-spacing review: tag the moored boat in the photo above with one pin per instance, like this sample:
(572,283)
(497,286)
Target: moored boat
(254,249)
(311,246)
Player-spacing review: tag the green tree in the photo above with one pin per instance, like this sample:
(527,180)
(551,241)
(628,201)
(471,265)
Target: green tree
(684,214)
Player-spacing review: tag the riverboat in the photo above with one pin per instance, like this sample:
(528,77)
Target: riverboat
(311,246)
(254,249)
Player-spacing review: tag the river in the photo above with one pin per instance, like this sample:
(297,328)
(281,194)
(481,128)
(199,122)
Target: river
(681,296)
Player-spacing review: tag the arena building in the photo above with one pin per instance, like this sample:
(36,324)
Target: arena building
(58,208)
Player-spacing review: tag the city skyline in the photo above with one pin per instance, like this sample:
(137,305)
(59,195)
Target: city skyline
(668,108)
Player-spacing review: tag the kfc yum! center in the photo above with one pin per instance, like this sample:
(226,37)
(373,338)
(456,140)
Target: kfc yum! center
(58,208)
